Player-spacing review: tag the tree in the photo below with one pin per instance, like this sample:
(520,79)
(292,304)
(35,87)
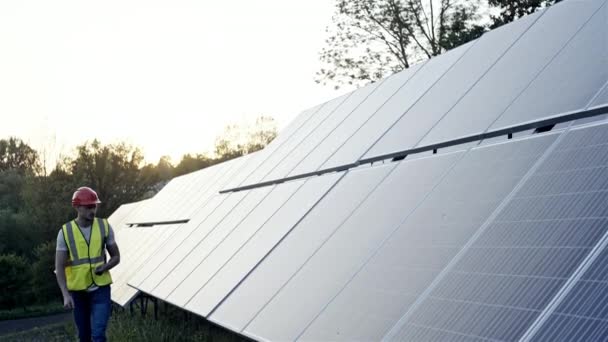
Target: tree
(191,163)
(240,139)
(113,171)
(47,203)
(262,133)
(513,9)
(44,283)
(14,281)
(371,39)
(18,163)
(17,155)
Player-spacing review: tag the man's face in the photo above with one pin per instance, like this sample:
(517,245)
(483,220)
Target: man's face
(87,212)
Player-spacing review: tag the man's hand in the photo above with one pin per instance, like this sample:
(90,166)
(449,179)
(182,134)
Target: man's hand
(68,302)
(100,269)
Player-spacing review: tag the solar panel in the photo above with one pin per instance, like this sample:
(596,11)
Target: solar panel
(298,137)
(570,81)
(182,243)
(260,156)
(330,267)
(408,95)
(602,98)
(119,217)
(500,238)
(364,100)
(231,241)
(275,270)
(151,270)
(416,121)
(582,315)
(181,262)
(400,268)
(136,246)
(205,187)
(355,120)
(515,71)
(247,248)
(515,266)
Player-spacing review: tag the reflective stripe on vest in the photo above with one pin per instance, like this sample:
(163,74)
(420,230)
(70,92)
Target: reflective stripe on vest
(80,269)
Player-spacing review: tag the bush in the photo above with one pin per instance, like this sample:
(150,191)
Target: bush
(44,283)
(14,281)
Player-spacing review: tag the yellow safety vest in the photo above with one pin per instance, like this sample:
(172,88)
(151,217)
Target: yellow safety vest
(85,257)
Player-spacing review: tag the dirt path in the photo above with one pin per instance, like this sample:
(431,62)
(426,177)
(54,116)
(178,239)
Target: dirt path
(16,325)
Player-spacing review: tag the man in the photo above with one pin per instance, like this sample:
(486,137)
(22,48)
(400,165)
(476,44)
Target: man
(82,273)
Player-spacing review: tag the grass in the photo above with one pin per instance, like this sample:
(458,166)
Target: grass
(52,333)
(173,324)
(32,311)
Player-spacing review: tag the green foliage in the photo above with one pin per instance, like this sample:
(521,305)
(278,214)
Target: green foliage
(190,163)
(513,9)
(370,39)
(14,281)
(16,155)
(113,171)
(44,284)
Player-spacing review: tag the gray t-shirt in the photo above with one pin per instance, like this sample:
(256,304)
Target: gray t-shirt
(86,231)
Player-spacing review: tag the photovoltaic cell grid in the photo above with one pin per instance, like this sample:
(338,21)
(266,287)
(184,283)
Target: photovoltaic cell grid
(515,267)
(582,314)
(402,266)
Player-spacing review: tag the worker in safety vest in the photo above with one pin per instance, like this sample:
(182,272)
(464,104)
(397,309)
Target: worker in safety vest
(81,267)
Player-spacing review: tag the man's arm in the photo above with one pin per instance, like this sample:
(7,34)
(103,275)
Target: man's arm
(114,259)
(61,258)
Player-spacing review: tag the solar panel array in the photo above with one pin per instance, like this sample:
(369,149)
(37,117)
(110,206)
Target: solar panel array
(490,224)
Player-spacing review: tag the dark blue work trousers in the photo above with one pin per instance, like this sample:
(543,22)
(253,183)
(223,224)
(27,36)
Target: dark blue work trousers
(91,313)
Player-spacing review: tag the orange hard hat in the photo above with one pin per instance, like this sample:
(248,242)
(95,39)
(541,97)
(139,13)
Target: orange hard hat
(85,196)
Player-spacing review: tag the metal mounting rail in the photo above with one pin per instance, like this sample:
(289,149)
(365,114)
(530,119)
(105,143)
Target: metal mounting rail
(596,111)
(156,223)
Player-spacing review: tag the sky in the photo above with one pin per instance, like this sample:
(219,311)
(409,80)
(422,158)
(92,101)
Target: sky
(165,76)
